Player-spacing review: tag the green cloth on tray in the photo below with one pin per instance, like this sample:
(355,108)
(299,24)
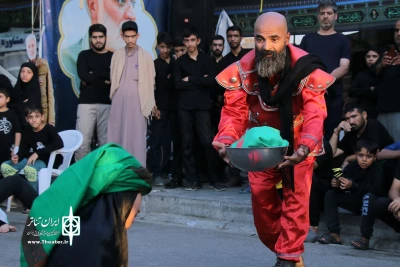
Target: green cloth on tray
(263,136)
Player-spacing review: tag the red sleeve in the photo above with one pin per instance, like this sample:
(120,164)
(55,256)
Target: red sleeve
(234,117)
(314,112)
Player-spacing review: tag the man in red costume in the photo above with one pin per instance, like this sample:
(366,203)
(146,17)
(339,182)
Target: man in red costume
(283,87)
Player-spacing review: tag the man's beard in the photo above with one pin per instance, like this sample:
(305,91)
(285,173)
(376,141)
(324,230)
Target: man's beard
(269,66)
(356,127)
(217,53)
(234,46)
(327,26)
(99,48)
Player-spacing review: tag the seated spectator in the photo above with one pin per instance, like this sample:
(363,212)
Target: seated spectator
(4,226)
(321,183)
(20,188)
(42,139)
(10,129)
(363,86)
(26,91)
(105,186)
(359,178)
(377,206)
(357,126)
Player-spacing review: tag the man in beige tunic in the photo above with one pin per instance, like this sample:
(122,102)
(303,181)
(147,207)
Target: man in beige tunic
(132,94)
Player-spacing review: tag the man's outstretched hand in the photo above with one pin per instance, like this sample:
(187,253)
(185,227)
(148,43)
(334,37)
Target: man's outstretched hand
(221,150)
(297,157)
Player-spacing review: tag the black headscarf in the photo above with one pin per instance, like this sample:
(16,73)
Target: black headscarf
(103,239)
(29,90)
(289,81)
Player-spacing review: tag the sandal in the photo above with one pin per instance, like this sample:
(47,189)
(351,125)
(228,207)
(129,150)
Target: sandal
(360,243)
(328,239)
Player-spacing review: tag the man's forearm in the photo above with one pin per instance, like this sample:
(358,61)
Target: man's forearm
(334,141)
(351,158)
(393,193)
(389,154)
(339,72)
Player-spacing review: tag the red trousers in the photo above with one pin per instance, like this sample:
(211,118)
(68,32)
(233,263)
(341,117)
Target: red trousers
(282,225)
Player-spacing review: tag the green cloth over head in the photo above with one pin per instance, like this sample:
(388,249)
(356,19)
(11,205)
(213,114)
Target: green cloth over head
(263,136)
(108,169)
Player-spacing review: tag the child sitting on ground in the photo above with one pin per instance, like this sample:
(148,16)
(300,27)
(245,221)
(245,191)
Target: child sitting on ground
(10,128)
(37,143)
(359,178)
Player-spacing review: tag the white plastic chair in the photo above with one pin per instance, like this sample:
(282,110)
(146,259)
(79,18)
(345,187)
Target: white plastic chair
(72,140)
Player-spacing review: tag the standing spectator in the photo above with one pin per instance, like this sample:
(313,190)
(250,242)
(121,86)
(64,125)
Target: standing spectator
(388,89)
(176,169)
(334,50)
(93,67)
(357,126)
(45,80)
(378,206)
(217,47)
(26,91)
(363,86)
(10,129)
(193,78)
(179,48)
(132,94)
(359,178)
(163,94)
(234,36)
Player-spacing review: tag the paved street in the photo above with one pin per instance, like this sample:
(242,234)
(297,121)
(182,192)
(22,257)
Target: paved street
(153,244)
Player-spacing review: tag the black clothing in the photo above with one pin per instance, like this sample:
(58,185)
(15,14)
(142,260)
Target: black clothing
(159,132)
(94,70)
(319,188)
(176,164)
(9,125)
(365,181)
(102,225)
(388,89)
(321,183)
(229,59)
(330,48)
(164,84)
(361,89)
(374,131)
(194,94)
(200,120)
(325,165)
(290,78)
(335,199)
(22,91)
(376,207)
(42,143)
(20,188)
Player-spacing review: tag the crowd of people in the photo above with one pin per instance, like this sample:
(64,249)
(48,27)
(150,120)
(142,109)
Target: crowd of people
(340,154)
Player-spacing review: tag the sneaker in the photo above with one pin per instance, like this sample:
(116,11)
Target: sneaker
(191,188)
(173,183)
(284,263)
(217,187)
(158,181)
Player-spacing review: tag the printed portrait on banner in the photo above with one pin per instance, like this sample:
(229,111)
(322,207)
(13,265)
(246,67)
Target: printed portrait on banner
(76,16)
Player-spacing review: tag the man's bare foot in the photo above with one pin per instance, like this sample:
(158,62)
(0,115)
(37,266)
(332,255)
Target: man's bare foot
(5,228)
(314,229)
